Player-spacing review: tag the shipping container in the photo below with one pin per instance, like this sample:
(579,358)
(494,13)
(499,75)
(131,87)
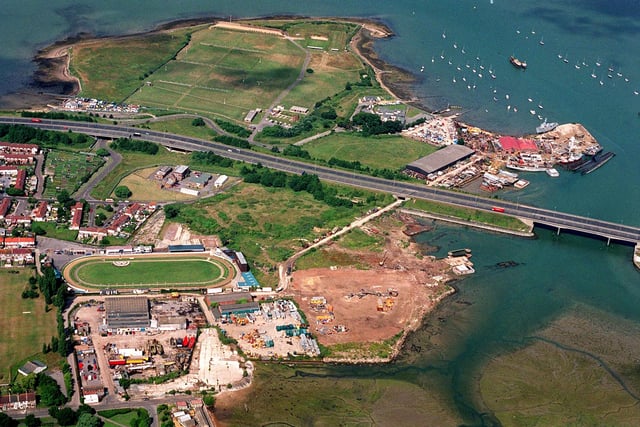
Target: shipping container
(116,362)
(192,342)
(185,341)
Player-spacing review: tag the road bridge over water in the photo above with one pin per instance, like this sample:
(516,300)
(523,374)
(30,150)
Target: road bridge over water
(610,231)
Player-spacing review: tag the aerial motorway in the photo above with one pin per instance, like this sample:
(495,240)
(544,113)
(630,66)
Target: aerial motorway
(610,231)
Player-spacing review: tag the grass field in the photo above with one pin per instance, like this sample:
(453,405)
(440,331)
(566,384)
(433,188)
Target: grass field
(112,69)
(119,420)
(24,323)
(134,161)
(223,73)
(268,225)
(146,271)
(67,169)
(61,232)
(182,127)
(385,151)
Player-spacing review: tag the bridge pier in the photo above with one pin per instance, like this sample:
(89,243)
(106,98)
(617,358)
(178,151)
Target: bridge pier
(558,232)
(608,240)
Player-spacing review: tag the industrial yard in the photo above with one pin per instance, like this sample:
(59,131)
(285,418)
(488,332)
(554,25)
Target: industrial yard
(277,330)
(152,343)
(475,159)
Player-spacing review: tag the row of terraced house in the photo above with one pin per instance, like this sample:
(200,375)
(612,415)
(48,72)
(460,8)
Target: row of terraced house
(135,212)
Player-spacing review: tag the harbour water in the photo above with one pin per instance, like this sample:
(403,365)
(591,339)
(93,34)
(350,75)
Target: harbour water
(498,308)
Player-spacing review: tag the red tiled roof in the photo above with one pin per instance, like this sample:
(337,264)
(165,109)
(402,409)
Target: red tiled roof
(20,179)
(41,210)
(4,206)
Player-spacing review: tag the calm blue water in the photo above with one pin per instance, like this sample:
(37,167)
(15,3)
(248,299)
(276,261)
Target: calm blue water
(553,273)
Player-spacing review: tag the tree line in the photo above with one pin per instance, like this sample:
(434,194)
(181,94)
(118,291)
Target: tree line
(45,138)
(127,144)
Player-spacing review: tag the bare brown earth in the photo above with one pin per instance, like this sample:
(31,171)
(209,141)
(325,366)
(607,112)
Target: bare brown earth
(413,276)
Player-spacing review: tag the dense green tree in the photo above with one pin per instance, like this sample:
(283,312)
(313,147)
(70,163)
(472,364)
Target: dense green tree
(100,219)
(143,419)
(49,392)
(7,421)
(37,229)
(89,420)
(209,400)
(65,416)
(122,191)
(126,144)
(198,122)
(172,211)
(32,421)
(103,152)
(63,197)
(12,191)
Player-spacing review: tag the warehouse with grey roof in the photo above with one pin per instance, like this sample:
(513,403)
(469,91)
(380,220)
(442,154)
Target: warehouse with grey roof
(440,160)
(130,313)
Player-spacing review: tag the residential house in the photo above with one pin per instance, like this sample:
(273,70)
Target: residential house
(76,216)
(41,211)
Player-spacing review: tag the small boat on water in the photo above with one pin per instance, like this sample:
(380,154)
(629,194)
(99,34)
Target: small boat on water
(525,168)
(517,63)
(553,173)
(541,42)
(520,184)
(460,252)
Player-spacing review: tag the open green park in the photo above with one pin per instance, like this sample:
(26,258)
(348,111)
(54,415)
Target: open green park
(148,271)
(382,151)
(223,73)
(25,323)
(219,72)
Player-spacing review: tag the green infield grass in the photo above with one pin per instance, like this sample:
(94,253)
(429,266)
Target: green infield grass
(96,272)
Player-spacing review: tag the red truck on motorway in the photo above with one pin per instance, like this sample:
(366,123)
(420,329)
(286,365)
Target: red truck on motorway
(497,209)
(36,120)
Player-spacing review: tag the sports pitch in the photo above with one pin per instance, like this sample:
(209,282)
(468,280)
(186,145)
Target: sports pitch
(223,73)
(148,272)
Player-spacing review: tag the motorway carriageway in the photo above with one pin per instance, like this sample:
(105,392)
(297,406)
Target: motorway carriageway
(546,217)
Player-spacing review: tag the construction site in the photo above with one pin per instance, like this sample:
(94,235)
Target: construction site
(390,292)
(276,330)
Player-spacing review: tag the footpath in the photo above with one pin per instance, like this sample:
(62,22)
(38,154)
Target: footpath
(285,267)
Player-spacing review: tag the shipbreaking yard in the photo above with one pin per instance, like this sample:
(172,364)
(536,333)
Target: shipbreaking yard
(475,159)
